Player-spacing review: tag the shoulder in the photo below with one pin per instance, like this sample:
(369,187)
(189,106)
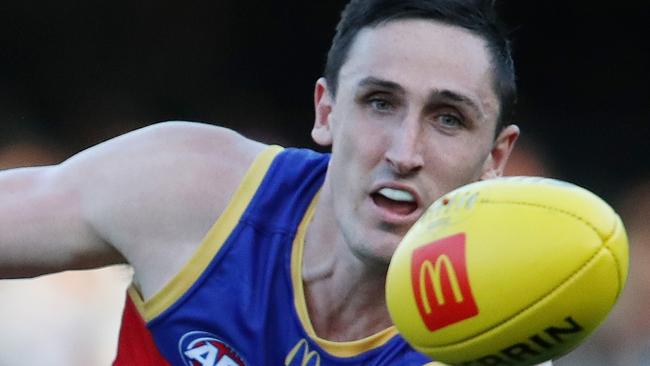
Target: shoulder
(180,140)
(165,153)
(153,193)
(170,158)
(170,167)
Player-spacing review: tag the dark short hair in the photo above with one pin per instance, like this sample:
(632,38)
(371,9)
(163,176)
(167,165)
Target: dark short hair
(477,16)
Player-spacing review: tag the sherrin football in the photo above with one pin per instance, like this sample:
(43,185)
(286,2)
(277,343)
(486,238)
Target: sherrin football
(508,271)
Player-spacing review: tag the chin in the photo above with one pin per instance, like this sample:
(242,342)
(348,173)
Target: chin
(374,255)
(376,247)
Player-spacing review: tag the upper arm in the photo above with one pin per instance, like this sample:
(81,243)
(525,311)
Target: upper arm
(146,197)
(154,193)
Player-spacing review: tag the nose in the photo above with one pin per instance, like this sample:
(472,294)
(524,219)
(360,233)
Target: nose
(405,152)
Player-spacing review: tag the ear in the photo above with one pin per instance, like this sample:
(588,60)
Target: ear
(321,133)
(503,145)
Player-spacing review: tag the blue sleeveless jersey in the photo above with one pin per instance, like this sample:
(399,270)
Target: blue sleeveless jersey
(240,301)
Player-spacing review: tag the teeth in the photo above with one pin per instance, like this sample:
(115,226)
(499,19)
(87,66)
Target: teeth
(396,195)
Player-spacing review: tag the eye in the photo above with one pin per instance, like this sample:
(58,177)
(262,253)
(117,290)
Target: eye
(449,121)
(380,104)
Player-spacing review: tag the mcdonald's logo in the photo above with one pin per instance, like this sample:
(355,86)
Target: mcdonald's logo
(440,283)
(308,355)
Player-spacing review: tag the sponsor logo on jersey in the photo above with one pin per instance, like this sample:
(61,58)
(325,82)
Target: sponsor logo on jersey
(440,283)
(205,349)
(302,355)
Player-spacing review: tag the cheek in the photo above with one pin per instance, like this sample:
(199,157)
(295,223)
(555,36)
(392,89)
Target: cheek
(457,162)
(359,144)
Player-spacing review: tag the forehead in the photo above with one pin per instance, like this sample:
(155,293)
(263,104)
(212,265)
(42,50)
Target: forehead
(422,55)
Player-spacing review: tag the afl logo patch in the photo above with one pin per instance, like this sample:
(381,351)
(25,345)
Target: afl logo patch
(205,349)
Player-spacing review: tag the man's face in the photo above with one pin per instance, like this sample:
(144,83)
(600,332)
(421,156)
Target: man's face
(413,118)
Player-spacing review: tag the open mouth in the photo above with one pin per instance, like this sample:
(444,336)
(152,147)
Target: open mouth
(396,201)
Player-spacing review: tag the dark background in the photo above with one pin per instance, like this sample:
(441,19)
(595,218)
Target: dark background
(73,73)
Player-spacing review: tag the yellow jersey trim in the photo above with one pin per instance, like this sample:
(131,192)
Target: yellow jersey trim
(338,349)
(136,298)
(211,243)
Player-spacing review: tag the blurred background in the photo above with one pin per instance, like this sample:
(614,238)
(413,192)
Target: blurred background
(75,73)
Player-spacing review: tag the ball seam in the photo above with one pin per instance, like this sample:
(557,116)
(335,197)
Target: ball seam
(619,277)
(604,238)
(619,286)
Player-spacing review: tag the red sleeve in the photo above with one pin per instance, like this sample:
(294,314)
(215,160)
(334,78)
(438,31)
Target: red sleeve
(136,345)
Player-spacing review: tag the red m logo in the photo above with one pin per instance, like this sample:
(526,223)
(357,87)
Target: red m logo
(440,282)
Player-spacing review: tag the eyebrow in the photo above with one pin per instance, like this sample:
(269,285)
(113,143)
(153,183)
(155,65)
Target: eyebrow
(381,83)
(458,98)
(434,94)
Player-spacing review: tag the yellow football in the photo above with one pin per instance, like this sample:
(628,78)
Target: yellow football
(509,271)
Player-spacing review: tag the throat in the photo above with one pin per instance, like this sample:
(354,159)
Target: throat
(342,298)
(343,315)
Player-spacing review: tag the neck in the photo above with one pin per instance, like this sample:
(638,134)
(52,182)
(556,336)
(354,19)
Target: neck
(345,296)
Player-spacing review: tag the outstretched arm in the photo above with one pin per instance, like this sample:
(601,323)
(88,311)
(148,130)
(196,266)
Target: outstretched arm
(146,198)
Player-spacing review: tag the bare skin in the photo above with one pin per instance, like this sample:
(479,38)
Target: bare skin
(146,198)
